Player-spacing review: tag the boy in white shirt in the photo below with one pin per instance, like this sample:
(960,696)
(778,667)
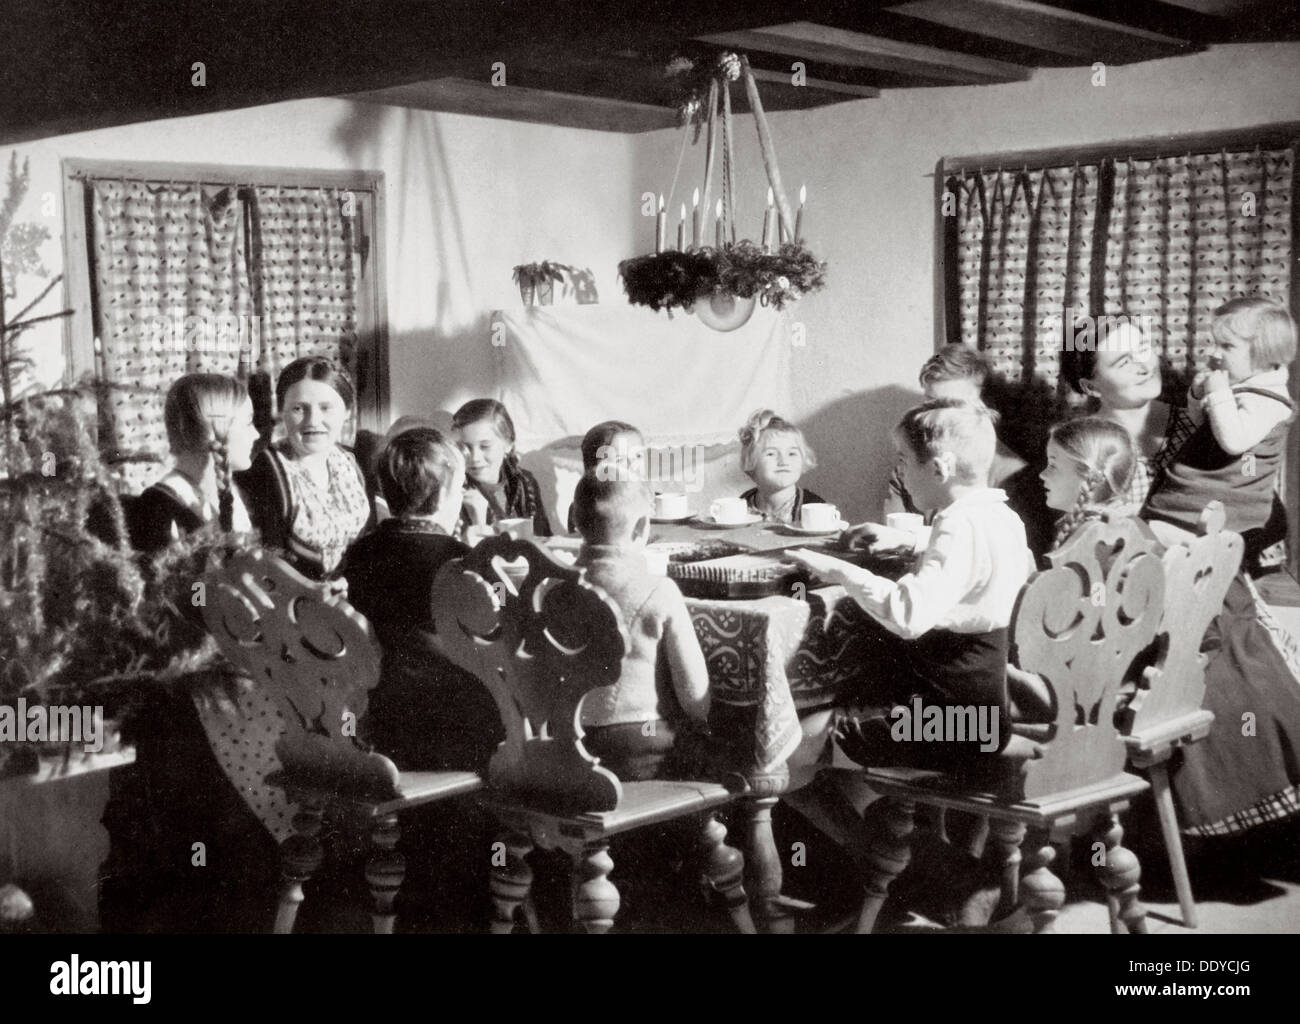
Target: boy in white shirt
(942,629)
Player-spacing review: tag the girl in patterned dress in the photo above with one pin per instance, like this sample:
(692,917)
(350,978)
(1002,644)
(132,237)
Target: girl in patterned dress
(306,493)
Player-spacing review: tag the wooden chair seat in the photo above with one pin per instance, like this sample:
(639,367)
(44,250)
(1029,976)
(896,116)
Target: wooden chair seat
(540,641)
(642,803)
(318,659)
(1057,810)
(413,789)
(1158,742)
(1081,626)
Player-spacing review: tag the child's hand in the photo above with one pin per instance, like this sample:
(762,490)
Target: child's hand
(825,566)
(878,539)
(477,505)
(1216,380)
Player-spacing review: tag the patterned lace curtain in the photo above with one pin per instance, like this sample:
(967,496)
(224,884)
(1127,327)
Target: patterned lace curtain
(238,280)
(306,272)
(172,297)
(1188,233)
(1171,238)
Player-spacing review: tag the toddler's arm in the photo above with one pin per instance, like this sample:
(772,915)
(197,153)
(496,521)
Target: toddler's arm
(1240,422)
(685,659)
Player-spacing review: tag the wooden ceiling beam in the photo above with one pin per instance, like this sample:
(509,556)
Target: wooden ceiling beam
(782,78)
(802,39)
(1036,25)
(518,103)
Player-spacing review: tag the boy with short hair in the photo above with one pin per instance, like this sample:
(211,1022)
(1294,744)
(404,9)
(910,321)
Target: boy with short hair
(942,628)
(425,713)
(663,686)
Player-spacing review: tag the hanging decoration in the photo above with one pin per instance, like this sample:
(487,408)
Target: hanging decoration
(722,283)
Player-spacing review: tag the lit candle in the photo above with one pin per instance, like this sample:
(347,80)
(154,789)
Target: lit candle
(695,219)
(798,217)
(661,226)
(717,226)
(681,231)
(767,223)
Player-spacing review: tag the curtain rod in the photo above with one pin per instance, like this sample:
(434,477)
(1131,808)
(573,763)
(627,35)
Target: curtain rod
(1268,136)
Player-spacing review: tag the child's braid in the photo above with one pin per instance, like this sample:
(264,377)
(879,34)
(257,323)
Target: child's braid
(1082,505)
(225,486)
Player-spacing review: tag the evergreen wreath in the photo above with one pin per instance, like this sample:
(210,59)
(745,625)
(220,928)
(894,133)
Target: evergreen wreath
(672,279)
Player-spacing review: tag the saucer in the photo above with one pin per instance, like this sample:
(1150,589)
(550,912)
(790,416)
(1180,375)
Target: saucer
(707,521)
(803,531)
(669,520)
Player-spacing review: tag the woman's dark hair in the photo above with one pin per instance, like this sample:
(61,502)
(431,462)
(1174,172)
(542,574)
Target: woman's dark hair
(314,368)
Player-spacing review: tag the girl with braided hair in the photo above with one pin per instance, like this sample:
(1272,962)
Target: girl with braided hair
(209,421)
(1090,463)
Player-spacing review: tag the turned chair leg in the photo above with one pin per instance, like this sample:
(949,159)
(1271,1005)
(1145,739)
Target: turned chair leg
(1007,836)
(511,881)
(1042,893)
(723,873)
(300,856)
(1173,842)
(385,872)
(888,852)
(595,899)
(1120,874)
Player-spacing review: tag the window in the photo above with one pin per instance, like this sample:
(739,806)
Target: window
(226,269)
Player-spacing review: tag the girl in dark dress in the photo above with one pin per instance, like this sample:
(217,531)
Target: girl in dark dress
(176,795)
(209,420)
(497,487)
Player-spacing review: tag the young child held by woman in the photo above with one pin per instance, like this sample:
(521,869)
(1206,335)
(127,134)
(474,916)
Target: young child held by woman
(1242,411)
(498,487)
(774,454)
(943,627)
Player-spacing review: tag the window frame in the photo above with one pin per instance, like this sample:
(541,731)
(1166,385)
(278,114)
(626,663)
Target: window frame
(373,381)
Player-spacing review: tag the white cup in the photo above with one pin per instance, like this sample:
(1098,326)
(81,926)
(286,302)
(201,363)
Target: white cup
(671,506)
(908,521)
(819,516)
(729,510)
(519,529)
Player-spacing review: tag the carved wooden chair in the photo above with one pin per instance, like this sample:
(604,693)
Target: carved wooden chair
(1165,712)
(318,658)
(541,639)
(1080,625)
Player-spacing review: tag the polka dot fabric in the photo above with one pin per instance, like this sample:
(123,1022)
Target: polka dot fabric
(243,736)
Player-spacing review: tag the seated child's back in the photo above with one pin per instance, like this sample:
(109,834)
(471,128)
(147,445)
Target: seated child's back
(426,713)
(664,685)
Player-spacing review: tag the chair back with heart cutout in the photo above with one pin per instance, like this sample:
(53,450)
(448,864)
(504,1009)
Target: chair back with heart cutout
(318,659)
(1080,625)
(1197,577)
(540,637)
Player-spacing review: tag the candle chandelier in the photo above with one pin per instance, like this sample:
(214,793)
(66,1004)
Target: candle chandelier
(722,283)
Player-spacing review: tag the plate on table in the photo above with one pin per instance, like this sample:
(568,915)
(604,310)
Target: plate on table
(708,522)
(803,531)
(670,520)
